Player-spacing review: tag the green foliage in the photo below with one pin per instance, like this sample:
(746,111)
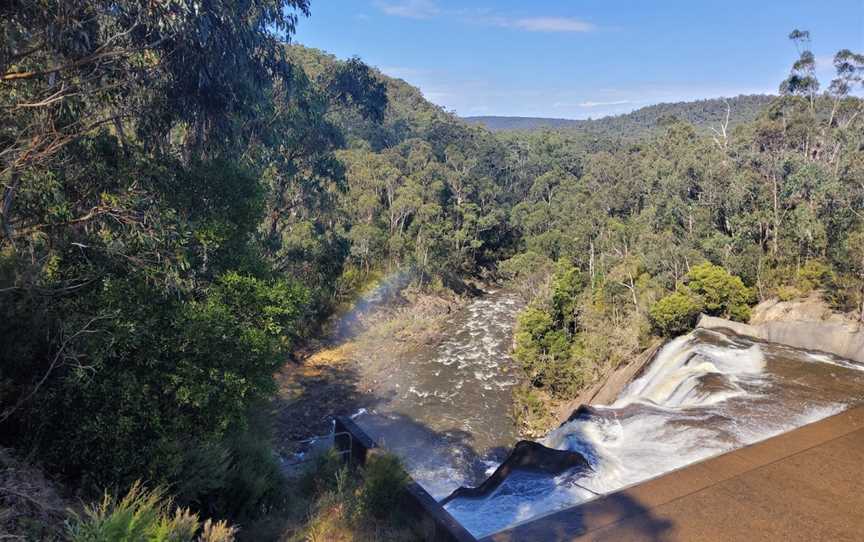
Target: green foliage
(162,315)
(238,477)
(567,283)
(710,289)
(384,481)
(676,313)
(144,516)
(190,372)
(531,342)
(642,123)
(813,275)
(718,292)
(788,293)
(544,339)
(530,411)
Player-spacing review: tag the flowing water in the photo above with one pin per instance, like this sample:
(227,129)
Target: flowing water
(446,411)
(705,393)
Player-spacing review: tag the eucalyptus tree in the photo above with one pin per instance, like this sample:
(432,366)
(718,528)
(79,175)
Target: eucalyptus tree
(138,318)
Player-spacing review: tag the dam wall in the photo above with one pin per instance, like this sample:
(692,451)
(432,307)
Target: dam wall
(802,485)
(804,323)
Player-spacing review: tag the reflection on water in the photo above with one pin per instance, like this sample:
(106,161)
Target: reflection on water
(706,393)
(447,412)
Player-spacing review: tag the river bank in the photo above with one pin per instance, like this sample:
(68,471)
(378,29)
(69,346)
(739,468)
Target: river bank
(340,372)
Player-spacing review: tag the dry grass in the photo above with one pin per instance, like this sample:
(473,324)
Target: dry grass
(31,506)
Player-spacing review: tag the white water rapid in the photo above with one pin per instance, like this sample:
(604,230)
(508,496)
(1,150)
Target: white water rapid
(705,393)
(446,411)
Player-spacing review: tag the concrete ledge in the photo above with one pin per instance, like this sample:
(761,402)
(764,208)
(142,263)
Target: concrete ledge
(841,339)
(437,524)
(801,485)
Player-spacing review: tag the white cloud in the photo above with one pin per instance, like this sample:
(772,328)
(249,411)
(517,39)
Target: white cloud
(602,104)
(550,24)
(412,9)
(427,9)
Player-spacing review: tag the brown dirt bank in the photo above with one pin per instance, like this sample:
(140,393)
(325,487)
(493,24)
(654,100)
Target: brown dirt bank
(334,377)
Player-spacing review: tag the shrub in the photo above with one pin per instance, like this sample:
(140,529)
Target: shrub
(812,276)
(787,293)
(720,292)
(530,412)
(177,379)
(676,313)
(144,516)
(384,481)
(567,283)
(323,475)
(532,327)
(239,478)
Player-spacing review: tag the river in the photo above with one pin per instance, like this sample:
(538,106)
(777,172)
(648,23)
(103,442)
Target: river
(446,410)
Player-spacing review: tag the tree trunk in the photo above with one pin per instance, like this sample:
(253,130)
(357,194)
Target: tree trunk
(776,213)
(6,208)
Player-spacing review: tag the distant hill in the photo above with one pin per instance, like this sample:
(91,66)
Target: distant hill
(701,113)
(408,112)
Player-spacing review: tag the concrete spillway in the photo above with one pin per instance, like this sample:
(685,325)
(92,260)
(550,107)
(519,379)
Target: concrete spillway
(804,485)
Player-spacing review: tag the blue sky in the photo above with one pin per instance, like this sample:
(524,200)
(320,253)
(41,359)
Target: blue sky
(581,58)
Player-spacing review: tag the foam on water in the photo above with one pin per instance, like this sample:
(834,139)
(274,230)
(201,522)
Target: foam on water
(447,408)
(704,394)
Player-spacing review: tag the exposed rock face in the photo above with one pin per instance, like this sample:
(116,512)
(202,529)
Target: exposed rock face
(525,455)
(808,323)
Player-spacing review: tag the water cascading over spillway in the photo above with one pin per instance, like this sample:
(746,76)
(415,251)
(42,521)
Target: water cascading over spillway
(705,393)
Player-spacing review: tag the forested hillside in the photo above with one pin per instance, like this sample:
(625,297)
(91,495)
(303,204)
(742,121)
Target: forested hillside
(645,121)
(639,240)
(186,196)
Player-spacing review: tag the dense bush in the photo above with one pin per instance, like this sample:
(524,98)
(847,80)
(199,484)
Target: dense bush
(175,376)
(548,340)
(141,316)
(384,481)
(708,288)
(676,313)
(719,292)
(333,502)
